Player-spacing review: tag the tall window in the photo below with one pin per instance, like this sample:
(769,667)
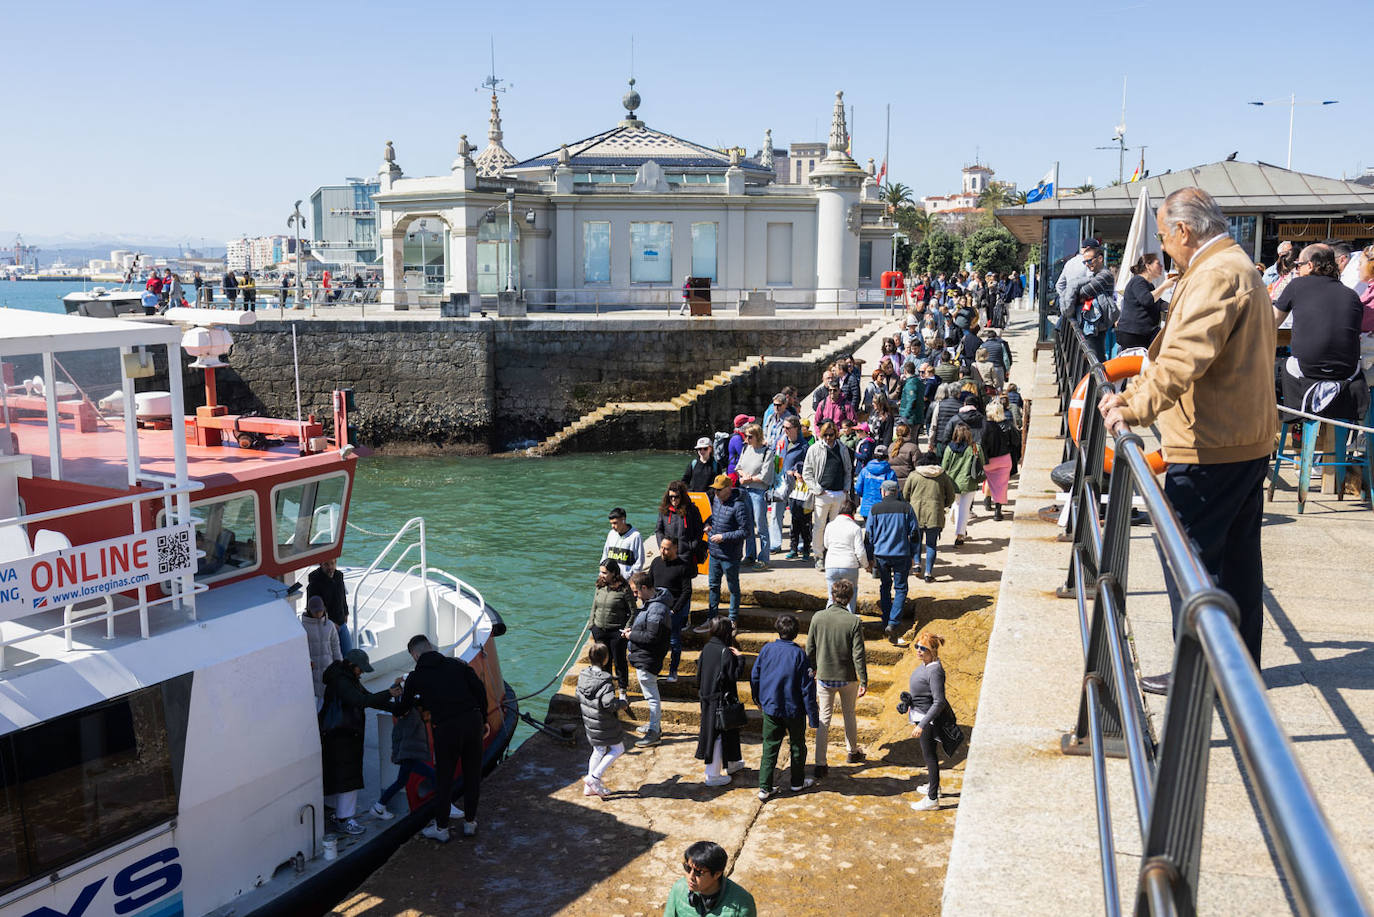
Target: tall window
(779,269)
(704,250)
(651,252)
(1243,231)
(866,260)
(596,252)
(308,516)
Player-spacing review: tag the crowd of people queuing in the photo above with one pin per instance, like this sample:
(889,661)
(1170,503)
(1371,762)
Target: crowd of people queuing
(868,481)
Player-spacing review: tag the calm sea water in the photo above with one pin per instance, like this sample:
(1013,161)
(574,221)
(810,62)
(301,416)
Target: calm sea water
(527,533)
(41,296)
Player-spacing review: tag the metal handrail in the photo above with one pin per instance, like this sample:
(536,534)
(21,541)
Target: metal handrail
(416,522)
(1211,663)
(460,587)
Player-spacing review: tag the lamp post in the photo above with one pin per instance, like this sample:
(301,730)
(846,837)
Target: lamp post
(297,220)
(1293,102)
(424,265)
(510,239)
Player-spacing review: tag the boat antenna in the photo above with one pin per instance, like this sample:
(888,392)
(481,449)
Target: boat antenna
(296,363)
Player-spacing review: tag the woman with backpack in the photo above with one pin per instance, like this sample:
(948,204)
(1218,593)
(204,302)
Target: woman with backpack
(963,463)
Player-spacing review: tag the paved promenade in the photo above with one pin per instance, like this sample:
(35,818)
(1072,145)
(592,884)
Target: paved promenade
(1318,664)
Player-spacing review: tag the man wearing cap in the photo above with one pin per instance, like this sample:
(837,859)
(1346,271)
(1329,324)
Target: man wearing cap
(454,698)
(828,471)
(701,470)
(892,531)
(737,440)
(726,531)
(342,725)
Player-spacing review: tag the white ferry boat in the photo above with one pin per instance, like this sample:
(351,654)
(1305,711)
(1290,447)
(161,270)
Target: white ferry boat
(159,747)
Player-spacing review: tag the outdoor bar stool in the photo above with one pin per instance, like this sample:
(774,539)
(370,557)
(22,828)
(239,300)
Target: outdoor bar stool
(1307,459)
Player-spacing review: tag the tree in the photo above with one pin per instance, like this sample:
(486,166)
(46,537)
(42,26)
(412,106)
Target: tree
(994,195)
(1084,189)
(1019,198)
(942,252)
(896,195)
(992,249)
(914,222)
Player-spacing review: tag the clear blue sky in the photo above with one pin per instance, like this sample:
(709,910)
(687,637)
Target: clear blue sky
(191,120)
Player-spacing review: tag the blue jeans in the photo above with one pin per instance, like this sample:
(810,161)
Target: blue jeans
(832,574)
(648,686)
(345,639)
(757,501)
(714,568)
(892,576)
(749,553)
(408,767)
(929,537)
(677,622)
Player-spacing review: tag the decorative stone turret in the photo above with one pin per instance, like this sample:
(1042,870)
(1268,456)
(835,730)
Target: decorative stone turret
(838,181)
(464,166)
(766,157)
(495,159)
(563,173)
(631,102)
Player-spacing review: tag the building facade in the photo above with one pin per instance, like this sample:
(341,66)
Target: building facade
(343,225)
(626,215)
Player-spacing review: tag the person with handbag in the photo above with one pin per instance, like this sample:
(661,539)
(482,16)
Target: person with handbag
(343,720)
(963,462)
(785,689)
(931,717)
(722,714)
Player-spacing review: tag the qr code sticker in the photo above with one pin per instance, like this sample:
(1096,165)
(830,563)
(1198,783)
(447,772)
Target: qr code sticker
(173,552)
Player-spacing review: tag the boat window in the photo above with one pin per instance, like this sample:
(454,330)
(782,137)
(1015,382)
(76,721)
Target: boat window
(73,786)
(307,516)
(227,534)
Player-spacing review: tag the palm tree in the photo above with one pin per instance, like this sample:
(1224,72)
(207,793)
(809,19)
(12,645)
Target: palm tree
(1085,189)
(994,195)
(914,222)
(1019,198)
(896,195)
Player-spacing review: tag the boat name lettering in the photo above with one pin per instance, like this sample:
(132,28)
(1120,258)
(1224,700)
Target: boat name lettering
(150,879)
(94,570)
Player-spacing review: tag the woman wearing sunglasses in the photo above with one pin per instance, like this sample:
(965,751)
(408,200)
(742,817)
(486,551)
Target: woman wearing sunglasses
(927,688)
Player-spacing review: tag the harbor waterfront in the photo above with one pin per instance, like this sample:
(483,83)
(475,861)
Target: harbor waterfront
(525,533)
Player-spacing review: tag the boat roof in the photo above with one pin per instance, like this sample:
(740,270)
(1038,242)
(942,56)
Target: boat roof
(29,332)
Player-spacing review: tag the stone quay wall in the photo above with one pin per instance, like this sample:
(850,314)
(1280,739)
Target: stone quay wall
(484,384)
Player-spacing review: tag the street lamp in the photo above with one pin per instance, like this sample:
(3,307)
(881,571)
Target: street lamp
(1292,102)
(424,265)
(296,219)
(510,239)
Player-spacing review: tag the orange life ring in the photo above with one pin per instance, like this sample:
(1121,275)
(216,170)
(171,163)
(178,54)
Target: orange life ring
(893,283)
(1117,369)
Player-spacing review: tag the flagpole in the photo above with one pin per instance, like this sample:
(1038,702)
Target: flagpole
(887,136)
(1056,181)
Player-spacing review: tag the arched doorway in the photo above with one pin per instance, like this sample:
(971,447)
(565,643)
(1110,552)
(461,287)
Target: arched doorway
(425,255)
(497,249)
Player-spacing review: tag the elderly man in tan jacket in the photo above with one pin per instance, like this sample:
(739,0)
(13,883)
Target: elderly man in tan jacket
(1209,384)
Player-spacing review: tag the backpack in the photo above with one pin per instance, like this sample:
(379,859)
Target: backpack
(720,451)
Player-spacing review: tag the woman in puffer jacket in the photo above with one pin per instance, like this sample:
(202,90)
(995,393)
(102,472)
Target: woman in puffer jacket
(597,697)
(322,638)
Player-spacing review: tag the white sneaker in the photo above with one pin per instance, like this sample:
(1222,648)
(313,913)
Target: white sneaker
(807,784)
(381,811)
(926,804)
(588,787)
(469,828)
(435,833)
(620,695)
(734,767)
(642,730)
(923,789)
(455,813)
(600,789)
(765,795)
(720,780)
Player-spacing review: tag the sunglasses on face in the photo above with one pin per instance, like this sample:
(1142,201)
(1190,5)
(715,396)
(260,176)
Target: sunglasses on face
(922,648)
(693,870)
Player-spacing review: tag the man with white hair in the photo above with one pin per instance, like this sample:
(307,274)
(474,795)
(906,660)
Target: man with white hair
(1209,386)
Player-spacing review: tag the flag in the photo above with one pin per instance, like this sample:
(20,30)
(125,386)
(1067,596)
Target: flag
(1043,190)
(882,173)
(1135,176)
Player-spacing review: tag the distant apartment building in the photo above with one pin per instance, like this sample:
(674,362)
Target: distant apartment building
(258,254)
(795,167)
(343,228)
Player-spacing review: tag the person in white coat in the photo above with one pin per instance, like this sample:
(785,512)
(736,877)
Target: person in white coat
(845,552)
(322,637)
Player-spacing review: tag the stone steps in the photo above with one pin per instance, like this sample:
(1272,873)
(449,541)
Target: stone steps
(686,401)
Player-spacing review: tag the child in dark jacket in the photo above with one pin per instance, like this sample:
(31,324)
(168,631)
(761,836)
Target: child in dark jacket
(597,697)
(409,750)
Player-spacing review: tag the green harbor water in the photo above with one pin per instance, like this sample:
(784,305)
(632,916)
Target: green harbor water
(527,533)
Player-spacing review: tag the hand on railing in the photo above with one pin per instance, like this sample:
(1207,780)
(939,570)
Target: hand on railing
(1110,408)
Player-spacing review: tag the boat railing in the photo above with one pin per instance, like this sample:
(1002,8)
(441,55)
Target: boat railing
(462,588)
(180,589)
(669,299)
(374,578)
(1211,663)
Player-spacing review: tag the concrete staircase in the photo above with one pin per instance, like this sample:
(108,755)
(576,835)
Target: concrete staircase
(711,397)
(681,708)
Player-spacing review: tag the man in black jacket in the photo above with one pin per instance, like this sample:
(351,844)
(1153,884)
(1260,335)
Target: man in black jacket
(454,699)
(649,634)
(328,583)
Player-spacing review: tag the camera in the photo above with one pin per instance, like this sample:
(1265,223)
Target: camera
(904,702)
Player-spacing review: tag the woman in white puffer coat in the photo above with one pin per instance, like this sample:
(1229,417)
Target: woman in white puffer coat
(322,637)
